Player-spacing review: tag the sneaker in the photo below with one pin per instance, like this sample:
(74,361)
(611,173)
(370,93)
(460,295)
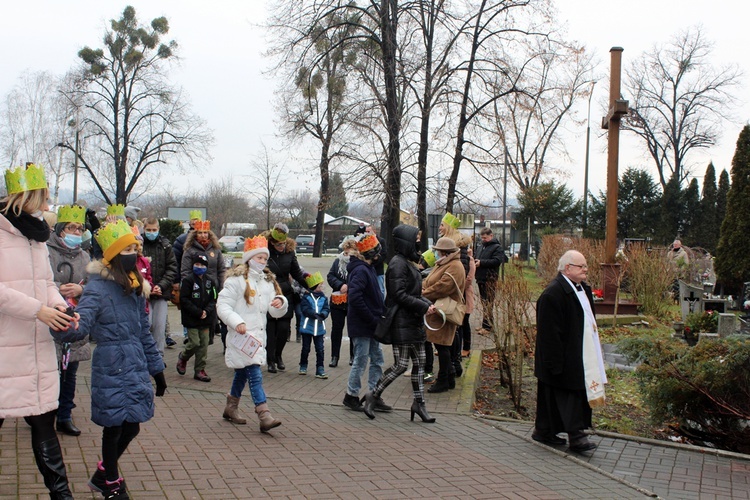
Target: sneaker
(170,342)
(321,374)
(429,378)
(115,490)
(202,376)
(303,370)
(96,483)
(352,402)
(181,364)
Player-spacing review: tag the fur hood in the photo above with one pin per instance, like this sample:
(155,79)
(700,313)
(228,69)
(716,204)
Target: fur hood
(242,270)
(290,246)
(98,267)
(192,235)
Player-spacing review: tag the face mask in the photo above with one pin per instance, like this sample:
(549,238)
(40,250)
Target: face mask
(256,266)
(72,240)
(152,236)
(128,261)
(199,271)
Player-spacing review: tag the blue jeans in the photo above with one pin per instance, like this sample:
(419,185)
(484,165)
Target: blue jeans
(364,349)
(67,392)
(319,349)
(254,376)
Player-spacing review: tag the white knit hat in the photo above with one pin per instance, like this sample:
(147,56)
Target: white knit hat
(254,246)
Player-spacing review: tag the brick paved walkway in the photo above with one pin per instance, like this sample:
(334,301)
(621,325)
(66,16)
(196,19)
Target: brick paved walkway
(323,450)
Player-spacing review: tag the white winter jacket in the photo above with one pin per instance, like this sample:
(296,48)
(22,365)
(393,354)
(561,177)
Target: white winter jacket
(233,310)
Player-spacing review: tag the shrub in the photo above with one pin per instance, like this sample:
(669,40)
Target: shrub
(706,321)
(649,280)
(553,246)
(704,390)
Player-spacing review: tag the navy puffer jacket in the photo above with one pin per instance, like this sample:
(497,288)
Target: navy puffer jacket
(365,300)
(125,357)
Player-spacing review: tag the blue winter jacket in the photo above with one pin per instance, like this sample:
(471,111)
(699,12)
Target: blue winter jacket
(365,300)
(315,309)
(125,356)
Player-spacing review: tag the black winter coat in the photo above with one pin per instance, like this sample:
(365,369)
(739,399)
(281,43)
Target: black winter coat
(336,280)
(163,265)
(284,265)
(559,339)
(490,255)
(403,285)
(198,294)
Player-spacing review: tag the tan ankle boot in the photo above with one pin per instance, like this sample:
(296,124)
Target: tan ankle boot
(267,422)
(231,412)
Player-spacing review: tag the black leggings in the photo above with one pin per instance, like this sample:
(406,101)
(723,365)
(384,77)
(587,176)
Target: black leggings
(42,427)
(277,332)
(115,441)
(446,363)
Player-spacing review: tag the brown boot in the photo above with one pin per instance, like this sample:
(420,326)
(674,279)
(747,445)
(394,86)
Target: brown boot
(231,412)
(267,422)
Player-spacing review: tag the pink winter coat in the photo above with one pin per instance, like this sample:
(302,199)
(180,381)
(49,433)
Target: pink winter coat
(29,380)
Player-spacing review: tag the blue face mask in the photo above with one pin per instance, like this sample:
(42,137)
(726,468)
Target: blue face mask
(72,240)
(199,271)
(152,236)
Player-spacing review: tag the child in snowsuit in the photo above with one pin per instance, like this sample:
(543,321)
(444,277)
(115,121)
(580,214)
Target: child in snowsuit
(315,310)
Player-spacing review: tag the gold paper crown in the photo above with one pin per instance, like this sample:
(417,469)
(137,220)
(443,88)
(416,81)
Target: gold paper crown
(278,235)
(451,220)
(202,225)
(196,214)
(26,178)
(314,280)
(114,237)
(367,243)
(116,210)
(255,243)
(71,213)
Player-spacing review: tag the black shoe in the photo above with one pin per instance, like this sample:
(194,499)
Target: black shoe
(96,483)
(280,365)
(381,406)
(115,490)
(68,428)
(170,342)
(334,362)
(548,440)
(369,405)
(299,338)
(581,445)
(352,402)
(441,385)
(351,362)
(419,408)
(271,367)
(458,368)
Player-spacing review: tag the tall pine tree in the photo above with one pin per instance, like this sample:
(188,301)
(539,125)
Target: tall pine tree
(707,226)
(337,204)
(671,212)
(692,200)
(721,198)
(732,258)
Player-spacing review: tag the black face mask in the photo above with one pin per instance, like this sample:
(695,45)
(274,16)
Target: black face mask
(128,261)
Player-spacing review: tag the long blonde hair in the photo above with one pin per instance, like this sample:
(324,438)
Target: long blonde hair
(34,200)
(269,276)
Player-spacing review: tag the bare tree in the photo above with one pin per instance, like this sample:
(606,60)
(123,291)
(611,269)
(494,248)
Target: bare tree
(678,100)
(140,119)
(266,175)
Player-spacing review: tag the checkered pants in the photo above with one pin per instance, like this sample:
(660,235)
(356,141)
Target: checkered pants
(401,354)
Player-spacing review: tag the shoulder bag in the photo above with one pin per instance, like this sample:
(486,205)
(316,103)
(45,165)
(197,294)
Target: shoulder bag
(454,311)
(383,329)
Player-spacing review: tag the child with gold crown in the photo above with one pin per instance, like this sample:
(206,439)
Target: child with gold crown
(315,310)
(250,293)
(112,311)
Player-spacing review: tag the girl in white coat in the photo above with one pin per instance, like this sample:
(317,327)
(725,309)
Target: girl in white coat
(250,293)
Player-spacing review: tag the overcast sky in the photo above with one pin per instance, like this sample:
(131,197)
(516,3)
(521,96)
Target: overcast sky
(222,66)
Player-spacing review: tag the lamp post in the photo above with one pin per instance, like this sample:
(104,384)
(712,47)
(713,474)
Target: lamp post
(586,168)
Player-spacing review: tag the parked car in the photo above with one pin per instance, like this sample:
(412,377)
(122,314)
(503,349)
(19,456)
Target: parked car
(305,243)
(233,243)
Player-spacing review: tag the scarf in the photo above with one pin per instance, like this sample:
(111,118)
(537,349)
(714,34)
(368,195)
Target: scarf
(343,273)
(593,363)
(29,226)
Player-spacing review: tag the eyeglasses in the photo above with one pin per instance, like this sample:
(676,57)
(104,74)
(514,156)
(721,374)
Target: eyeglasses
(73,229)
(582,266)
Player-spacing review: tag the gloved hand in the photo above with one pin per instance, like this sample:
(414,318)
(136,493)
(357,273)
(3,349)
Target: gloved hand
(319,316)
(161,384)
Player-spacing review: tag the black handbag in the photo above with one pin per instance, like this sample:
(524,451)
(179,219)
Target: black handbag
(383,329)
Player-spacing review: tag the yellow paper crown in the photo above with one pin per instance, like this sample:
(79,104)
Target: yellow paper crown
(196,214)
(202,225)
(255,243)
(114,238)
(71,213)
(451,220)
(26,178)
(116,210)
(314,280)
(429,257)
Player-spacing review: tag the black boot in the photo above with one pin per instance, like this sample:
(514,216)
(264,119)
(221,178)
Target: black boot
(441,384)
(334,362)
(280,363)
(369,405)
(271,367)
(420,409)
(49,460)
(452,380)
